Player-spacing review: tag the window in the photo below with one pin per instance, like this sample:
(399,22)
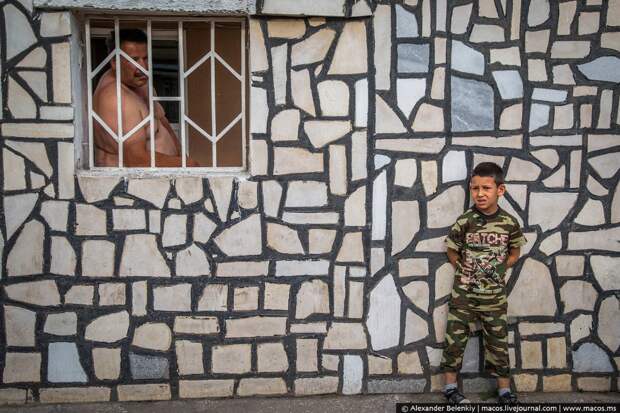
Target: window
(166,93)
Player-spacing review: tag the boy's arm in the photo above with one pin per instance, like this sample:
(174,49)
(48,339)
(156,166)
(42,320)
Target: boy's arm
(513,256)
(453,257)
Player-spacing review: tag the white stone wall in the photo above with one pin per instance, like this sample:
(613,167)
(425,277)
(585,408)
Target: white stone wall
(324,271)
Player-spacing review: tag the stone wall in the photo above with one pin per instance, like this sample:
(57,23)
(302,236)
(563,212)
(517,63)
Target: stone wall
(324,271)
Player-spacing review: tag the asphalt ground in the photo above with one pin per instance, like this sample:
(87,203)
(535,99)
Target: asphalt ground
(312,404)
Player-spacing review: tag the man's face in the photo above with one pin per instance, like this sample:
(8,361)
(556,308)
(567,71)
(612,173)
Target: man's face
(131,76)
(485,193)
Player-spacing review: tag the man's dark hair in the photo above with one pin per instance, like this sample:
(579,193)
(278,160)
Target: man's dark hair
(489,169)
(126,35)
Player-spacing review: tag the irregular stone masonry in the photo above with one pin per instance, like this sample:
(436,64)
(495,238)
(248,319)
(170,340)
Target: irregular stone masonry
(323,271)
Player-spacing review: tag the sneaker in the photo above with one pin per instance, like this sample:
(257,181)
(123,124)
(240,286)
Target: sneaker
(454,396)
(508,398)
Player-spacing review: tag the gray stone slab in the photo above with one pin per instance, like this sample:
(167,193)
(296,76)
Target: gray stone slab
(478,385)
(509,83)
(396,386)
(538,12)
(466,59)
(604,68)
(148,367)
(472,105)
(591,358)
(63,364)
(539,116)
(549,95)
(406,23)
(413,58)
(471,357)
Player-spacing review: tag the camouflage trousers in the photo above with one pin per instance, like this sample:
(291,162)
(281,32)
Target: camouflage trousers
(465,308)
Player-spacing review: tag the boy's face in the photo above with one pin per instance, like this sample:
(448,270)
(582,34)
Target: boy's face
(485,193)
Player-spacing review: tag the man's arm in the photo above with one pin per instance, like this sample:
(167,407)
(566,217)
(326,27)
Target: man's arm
(135,151)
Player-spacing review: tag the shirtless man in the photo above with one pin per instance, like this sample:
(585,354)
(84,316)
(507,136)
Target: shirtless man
(135,107)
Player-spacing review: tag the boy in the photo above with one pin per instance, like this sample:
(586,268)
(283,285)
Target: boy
(482,244)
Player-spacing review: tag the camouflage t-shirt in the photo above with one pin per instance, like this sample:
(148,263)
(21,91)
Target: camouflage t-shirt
(483,241)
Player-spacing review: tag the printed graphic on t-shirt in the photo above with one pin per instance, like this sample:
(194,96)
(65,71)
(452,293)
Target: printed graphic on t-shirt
(483,243)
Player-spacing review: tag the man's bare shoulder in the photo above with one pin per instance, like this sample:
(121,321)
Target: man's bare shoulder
(105,98)
(105,95)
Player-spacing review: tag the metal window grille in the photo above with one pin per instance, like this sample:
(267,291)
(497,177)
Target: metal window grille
(210,57)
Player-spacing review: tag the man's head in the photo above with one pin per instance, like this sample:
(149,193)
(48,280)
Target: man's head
(486,186)
(134,43)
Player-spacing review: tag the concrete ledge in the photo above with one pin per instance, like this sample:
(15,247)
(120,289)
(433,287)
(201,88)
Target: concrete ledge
(319,8)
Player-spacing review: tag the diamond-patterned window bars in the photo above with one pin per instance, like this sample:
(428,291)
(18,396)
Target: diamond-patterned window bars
(210,57)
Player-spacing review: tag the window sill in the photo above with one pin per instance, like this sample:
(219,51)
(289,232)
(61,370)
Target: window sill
(222,7)
(170,173)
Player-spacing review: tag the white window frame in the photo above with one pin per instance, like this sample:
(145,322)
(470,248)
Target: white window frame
(209,57)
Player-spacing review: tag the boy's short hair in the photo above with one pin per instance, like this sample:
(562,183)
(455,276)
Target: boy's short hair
(489,169)
(126,35)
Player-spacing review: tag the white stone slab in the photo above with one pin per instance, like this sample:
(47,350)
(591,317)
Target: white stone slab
(26,256)
(383,321)
(19,326)
(20,103)
(525,301)
(301,91)
(409,92)
(350,56)
(605,270)
(258,53)
(338,170)
(243,238)
(141,258)
(386,119)
(280,78)
(154,190)
(285,125)
(128,219)
(460,18)
(345,336)
(607,330)
(260,110)
(108,328)
(296,160)
(405,224)
(379,207)
(382,24)
(446,207)
(352,248)
(63,257)
(454,167)
(333,98)
(17,208)
(312,298)
(352,375)
(355,208)
(152,336)
(313,49)
(283,239)
(192,262)
(412,145)
(541,204)
(301,267)
(323,132)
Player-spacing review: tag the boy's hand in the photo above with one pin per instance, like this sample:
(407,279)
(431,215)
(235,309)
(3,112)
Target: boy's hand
(467,270)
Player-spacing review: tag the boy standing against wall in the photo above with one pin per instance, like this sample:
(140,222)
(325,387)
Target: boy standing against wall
(483,243)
